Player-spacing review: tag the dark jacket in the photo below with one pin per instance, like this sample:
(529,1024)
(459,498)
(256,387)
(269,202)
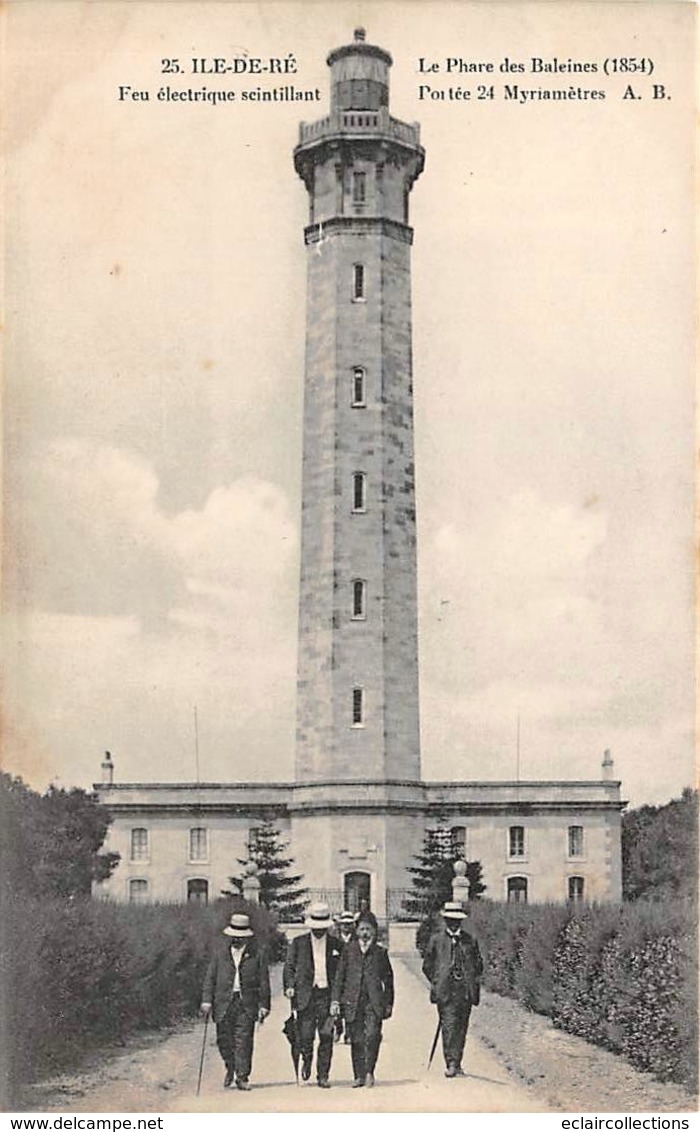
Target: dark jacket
(373,971)
(221,972)
(438,968)
(299,967)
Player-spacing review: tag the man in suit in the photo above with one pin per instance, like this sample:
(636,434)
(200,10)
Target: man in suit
(364,991)
(309,971)
(237,986)
(452,962)
(346,928)
(345,924)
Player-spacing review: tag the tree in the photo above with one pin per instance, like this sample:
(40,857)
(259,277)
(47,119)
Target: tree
(280,891)
(659,850)
(50,844)
(433,873)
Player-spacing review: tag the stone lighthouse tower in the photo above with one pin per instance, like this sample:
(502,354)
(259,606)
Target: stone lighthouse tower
(357,801)
(357,660)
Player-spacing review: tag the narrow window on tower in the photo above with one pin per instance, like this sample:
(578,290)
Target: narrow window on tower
(359,188)
(358,388)
(339,189)
(358,281)
(359,491)
(359,599)
(358,707)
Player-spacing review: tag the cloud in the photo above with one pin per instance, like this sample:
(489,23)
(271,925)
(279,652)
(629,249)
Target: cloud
(529,611)
(202,609)
(511,589)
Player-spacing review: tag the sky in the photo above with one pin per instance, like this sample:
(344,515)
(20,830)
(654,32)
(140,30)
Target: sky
(155,272)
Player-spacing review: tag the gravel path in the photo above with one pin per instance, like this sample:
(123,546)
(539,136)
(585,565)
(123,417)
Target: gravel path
(516,1062)
(569,1074)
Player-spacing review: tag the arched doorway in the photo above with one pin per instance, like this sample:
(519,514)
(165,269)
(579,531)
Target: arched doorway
(356,891)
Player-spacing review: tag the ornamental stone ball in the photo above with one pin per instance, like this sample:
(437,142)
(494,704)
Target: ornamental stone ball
(460,884)
(251,883)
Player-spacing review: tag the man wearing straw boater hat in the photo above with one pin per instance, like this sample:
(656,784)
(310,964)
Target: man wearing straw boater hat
(309,971)
(453,964)
(237,984)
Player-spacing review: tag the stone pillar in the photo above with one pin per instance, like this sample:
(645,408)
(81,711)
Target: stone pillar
(460,884)
(251,885)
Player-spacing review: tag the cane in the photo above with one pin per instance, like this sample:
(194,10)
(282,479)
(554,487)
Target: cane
(435,1042)
(204,1046)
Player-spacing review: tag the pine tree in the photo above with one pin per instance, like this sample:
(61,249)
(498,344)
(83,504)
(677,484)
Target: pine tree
(280,891)
(433,873)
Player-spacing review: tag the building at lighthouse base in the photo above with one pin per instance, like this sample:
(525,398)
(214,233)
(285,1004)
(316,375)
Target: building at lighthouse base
(353,841)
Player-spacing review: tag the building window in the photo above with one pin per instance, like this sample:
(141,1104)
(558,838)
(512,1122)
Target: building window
(575,840)
(139,845)
(576,888)
(358,388)
(359,598)
(359,188)
(197,891)
(358,281)
(359,491)
(517,890)
(358,707)
(199,847)
(138,891)
(516,841)
(459,841)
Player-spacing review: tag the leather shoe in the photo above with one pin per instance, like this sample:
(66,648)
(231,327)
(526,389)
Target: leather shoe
(451,1071)
(358,1083)
(369,1080)
(324,1083)
(243,1085)
(228,1079)
(306,1069)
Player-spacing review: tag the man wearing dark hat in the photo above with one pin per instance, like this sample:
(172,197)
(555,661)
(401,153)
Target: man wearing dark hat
(237,984)
(453,964)
(309,971)
(364,991)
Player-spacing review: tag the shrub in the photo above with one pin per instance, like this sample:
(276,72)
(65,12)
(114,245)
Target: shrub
(622,976)
(77,973)
(533,977)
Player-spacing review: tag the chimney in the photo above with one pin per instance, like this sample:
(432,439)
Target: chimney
(107,767)
(607,766)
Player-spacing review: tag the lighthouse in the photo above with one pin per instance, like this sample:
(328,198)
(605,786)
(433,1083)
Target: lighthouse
(356,812)
(358,713)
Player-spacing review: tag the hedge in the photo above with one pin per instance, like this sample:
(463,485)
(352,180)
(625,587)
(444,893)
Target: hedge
(621,976)
(78,974)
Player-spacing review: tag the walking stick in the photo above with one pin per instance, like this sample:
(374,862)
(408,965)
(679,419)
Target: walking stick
(204,1046)
(435,1042)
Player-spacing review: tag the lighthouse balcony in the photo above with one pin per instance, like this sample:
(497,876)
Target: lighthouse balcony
(363,122)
